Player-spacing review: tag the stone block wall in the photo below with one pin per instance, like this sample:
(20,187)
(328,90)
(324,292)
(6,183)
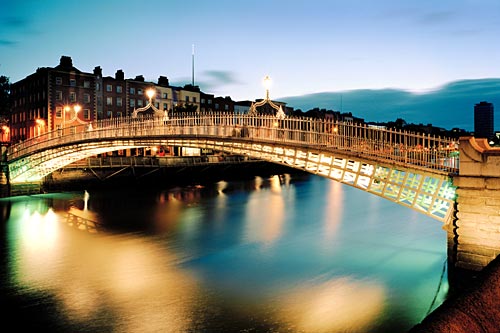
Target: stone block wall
(476,230)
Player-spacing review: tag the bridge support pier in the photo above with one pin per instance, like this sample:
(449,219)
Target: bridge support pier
(475,233)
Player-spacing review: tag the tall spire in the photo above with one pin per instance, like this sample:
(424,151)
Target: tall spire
(192,66)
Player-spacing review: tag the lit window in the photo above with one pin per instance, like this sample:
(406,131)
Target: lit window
(109,88)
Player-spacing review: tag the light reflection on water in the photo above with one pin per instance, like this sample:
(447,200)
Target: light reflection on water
(274,254)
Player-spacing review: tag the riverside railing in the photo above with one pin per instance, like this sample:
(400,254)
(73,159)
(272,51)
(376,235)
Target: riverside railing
(398,146)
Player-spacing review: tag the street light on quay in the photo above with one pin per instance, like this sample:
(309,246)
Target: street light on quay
(40,123)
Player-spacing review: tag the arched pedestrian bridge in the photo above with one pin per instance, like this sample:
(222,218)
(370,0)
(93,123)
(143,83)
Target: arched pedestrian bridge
(410,169)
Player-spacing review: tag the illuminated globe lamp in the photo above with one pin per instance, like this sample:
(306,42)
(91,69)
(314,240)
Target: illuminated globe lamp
(279,110)
(77,108)
(150,93)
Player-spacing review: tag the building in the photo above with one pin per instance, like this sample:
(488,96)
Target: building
(52,98)
(67,99)
(484,120)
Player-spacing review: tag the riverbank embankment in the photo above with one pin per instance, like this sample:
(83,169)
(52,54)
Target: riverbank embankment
(474,310)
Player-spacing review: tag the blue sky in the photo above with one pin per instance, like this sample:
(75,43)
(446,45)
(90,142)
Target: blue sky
(306,46)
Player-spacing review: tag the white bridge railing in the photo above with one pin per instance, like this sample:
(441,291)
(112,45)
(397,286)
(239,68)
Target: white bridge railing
(406,148)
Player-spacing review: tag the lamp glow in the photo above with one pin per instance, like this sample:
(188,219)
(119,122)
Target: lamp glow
(150,93)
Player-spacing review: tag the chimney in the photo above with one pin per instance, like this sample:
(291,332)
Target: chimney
(163,81)
(98,71)
(139,78)
(120,75)
(66,62)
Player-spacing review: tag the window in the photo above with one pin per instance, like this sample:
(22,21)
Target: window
(209,101)
(58,81)
(72,82)
(216,106)
(72,96)
(139,91)
(139,102)
(86,114)
(109,100)
(226,107)
(98,87)
(119,114)
(109,114)
(194,99)
(165,95)
(165,106)
(132,102)
(202,101)
(187,99)
(119,89)
(118,101)
(58,95)
(86,98)
(86,84)
(132,91)
(109,88)
(58,112)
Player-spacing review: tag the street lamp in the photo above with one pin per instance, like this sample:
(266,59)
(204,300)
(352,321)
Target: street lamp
(40,123)
(150,93)
(67,108)
(5,133)
(280,114)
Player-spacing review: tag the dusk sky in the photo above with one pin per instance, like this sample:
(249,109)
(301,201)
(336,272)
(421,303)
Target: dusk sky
(306,46)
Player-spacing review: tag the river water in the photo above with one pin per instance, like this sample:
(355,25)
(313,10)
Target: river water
(286,253)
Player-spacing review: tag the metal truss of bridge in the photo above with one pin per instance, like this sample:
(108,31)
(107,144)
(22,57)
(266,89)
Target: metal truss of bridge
(410,169)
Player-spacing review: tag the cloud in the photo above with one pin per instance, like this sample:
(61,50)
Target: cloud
(16,22)
(449,106)
(436,17)
(6,42)
(218,77)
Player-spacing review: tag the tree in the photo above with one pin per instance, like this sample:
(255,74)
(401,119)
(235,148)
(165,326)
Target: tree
(4,97)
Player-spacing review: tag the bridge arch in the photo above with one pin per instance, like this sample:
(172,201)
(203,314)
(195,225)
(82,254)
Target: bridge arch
(405,168)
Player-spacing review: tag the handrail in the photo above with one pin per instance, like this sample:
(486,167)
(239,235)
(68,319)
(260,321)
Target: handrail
(403,147)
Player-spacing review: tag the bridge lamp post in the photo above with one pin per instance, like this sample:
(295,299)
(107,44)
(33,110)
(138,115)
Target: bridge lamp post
(150,93)
(67,108)
(267,85)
